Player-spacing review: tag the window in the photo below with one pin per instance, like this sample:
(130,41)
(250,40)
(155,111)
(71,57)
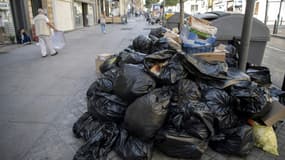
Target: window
(194,8)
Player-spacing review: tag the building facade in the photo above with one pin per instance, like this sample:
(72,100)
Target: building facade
(7,28)
(239,6)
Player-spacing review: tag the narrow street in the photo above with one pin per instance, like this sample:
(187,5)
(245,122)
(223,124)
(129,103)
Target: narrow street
(41,98)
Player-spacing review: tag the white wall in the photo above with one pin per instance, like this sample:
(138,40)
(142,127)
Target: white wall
(63,16)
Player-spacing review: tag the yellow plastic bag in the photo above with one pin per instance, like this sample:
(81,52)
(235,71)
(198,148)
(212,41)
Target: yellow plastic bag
(265,138)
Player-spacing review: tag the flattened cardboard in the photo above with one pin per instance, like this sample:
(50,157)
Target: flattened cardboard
(276,114)
(212,56)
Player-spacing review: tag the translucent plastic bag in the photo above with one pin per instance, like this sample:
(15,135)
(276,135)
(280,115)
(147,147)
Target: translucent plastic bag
(58,40)
(264,137)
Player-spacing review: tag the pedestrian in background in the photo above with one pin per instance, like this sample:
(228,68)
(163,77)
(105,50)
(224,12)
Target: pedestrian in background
(103,22)
(43,27)
(24,37)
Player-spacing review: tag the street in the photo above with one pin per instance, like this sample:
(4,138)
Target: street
(41,98)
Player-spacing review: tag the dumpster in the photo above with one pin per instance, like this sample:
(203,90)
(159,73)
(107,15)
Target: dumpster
(173,21)
(230,26)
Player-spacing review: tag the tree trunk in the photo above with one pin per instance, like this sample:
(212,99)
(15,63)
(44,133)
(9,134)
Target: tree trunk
(181,19)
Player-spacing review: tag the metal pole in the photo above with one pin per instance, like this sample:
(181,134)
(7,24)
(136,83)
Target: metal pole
(246,34)
(266,12)
(278,17)
(181,18)
(163,14)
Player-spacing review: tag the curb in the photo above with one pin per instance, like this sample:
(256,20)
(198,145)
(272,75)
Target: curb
(278,36)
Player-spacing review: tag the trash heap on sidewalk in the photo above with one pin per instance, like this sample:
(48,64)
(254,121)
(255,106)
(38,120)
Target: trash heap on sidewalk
(152,95)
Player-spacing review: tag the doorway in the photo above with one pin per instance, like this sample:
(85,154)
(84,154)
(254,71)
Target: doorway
(85,14)
(36,4)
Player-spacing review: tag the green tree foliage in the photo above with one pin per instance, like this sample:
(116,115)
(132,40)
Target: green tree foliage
(171,2)
(148,3)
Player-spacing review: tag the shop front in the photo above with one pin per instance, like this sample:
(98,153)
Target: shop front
(7,29)
(115,11)
(63,16)
(83,11)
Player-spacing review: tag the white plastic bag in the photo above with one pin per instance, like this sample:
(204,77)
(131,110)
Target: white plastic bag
(58,40)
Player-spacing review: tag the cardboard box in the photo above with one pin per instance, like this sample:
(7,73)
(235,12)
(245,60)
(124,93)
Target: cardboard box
(99,59)
(211,56)
(276,114)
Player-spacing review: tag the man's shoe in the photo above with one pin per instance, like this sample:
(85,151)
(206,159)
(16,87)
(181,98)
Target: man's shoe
(44,56)
(54,54)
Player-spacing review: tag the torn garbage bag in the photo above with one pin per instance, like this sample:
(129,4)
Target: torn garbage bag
(131,148)
(106,107)
(100,144)
(251,100)
(173,71)
(236,141)
(165,66)
(131,57)
(142,44)
(176,144)
(132,82)
(221,105)
(109,63)
(147,114)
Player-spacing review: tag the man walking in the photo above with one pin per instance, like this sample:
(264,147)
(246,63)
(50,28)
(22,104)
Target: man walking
(42,29)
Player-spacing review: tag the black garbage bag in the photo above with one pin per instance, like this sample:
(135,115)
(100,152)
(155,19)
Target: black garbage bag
(147,114)
(131,148)
(109,63)
(104,83)
(142,44)
(173,71)
(222,107)
(78,127)
(165,66)
(160,44)
(100,144)
(106,107)
(158,32)
(236,141)
(216,74)
(180,145)
(259,74)
(202,68)
(188,90)
(192,117)
(131,57)
(250,100)
(232,56)
(158,57)
(132,82)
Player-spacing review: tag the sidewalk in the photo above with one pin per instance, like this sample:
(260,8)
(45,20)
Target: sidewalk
(41,98)
(280,33)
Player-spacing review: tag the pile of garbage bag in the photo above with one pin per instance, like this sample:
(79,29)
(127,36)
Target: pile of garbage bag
(154,96)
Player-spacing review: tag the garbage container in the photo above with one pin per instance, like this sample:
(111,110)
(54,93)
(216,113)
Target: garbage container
(230,26)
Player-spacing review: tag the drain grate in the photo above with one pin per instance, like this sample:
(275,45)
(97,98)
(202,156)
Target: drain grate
(126,29)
